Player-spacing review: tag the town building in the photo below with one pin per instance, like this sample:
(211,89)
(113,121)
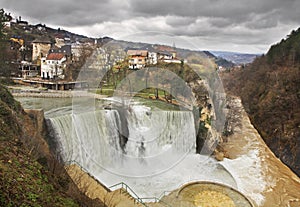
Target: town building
(167,54)
(137,58)
(40,48)
(21,22)
(164,55)
(77,50)
(28,70)
(151,55)
(61,40)
(41,27)
(65,49)
(53,66)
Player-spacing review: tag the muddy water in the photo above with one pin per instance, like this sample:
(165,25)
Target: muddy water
(278,185)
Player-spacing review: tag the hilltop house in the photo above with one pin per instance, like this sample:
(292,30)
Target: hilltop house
(41,27)
(53,66)
(168,57)
(167,54)
(137,58)
(21,22)
(152,55)
(164,55)
(40,49)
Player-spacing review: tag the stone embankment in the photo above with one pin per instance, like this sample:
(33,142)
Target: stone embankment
(260,175)
(41,93)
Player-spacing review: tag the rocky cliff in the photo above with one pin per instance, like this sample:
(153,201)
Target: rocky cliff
(270,91)
(259,174)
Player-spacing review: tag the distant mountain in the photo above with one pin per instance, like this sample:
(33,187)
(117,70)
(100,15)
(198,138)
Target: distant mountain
(270,91)
(220,61)
(236,58)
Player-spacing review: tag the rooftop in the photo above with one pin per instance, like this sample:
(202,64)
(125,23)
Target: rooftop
(42,40)
(55,56)
(137,53)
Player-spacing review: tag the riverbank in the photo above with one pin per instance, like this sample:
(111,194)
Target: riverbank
(260,175)
(150,101)
(25,91)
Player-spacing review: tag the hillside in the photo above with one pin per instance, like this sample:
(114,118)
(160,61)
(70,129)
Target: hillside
(29,174)
(236,58)
(270,91)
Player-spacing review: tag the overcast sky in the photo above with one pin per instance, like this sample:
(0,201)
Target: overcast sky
(229,25)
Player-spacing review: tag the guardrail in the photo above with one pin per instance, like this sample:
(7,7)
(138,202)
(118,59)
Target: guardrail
(130,191)
(142,200)
(126,188)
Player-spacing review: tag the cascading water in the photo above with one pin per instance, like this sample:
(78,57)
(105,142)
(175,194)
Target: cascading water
(155,139)
(158,152)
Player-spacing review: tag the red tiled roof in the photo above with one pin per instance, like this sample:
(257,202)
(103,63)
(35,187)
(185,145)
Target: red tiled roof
(137,53)
(55,56)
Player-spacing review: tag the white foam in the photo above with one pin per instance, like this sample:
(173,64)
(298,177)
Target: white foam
(247,172)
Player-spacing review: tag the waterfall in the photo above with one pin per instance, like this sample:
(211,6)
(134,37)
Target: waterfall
(135,142)
(159,146)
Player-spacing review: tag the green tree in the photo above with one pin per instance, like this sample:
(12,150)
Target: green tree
(4,45)
(3,18)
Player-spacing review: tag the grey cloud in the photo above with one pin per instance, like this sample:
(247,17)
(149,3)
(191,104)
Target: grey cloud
(235,10)
(69,12)
(263,21)
(235,21)
(78,13)
(179,21)
(220,22)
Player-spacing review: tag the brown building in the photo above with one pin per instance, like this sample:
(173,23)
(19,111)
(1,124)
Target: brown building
(137,58)
(40,48)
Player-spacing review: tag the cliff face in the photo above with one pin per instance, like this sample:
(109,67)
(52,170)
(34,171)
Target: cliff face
(29,174)
(258,173)
(270,91)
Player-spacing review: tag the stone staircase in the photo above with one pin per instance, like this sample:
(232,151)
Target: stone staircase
(120,197)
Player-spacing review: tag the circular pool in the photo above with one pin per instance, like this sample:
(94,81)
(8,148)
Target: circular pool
(207,194)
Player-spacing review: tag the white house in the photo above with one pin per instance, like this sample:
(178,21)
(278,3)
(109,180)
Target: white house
(53,66)
(163,55)
(152,58)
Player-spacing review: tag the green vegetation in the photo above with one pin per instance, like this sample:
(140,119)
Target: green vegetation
(28,178)
(24,182)
(287,52)
(270,91)
(118,73)
(3,47)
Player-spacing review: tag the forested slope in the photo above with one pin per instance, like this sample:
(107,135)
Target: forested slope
(270,91)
